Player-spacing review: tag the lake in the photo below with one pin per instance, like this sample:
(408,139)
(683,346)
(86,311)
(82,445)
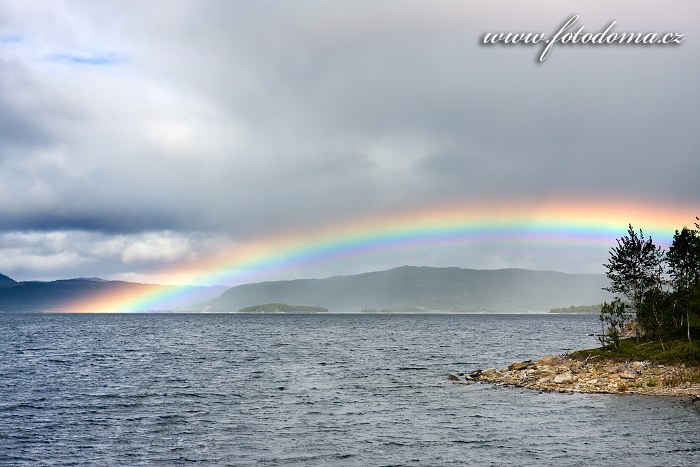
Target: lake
(331,389)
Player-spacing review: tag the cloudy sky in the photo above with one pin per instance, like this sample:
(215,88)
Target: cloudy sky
(136,136)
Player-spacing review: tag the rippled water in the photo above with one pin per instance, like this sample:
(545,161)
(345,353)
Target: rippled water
(312,390)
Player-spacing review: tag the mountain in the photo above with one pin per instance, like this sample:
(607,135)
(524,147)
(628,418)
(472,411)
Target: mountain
(411,289)
(6,280)
(94,279)
(404,289)
(67,295)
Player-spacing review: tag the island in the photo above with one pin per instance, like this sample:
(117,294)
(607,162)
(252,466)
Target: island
(577,309)
(282,308)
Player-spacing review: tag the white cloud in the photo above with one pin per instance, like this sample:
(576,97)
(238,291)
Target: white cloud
(163,246)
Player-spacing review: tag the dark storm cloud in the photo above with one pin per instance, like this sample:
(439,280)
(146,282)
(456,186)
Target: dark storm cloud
(109,220)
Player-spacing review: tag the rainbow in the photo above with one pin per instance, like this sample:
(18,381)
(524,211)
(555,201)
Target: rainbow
(593,224)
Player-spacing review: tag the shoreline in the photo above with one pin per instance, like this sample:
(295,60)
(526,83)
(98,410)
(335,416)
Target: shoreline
(594,375)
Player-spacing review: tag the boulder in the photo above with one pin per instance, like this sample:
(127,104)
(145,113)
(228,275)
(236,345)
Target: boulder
(453,378)
(520,365)
(474,375)
(563,378)
(550,360)
(627,375)
(489,371)
(542,372)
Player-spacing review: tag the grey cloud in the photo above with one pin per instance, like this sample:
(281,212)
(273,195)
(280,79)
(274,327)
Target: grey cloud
(21,124)
(239,119)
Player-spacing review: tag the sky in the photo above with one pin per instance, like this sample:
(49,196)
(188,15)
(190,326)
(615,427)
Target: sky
(139,140)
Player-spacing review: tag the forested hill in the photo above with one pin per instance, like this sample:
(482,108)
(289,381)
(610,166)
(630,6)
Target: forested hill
(412,289)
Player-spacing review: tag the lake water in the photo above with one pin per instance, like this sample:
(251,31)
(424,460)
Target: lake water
(312,390)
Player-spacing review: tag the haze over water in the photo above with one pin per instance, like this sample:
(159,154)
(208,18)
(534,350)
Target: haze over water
(312,390)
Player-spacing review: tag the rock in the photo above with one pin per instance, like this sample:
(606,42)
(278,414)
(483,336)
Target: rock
(550,360)
(564,375)
(520,365)
(474,375)
(453,378)
(563,378)
(525,377)
(542,372)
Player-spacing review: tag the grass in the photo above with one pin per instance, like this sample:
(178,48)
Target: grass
(673,352)
(687,375)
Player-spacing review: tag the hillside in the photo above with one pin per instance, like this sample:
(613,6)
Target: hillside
(412,289)
(6,280)
(63,295)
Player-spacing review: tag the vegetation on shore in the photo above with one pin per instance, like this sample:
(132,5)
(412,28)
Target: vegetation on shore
(580,309)
(658,301)
(282,308)
(673,352)
(658,293)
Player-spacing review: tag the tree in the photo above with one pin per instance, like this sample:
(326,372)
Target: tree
(656,315)
(634,268)
(613,317)
(684,266)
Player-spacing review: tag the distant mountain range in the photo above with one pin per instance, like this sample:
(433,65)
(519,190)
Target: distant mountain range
(66,295)
(403,289)
(425,289)
(6,280)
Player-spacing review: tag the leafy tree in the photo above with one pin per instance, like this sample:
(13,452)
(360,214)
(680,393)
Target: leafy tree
(684,267)
(656,315)
(613,317)
(634,268)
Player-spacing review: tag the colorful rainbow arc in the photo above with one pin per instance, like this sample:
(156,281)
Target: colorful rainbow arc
(558,224)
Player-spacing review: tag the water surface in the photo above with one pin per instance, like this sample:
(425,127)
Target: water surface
(312,390)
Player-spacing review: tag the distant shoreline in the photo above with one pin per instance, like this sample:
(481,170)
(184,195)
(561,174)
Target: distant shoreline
(577,309)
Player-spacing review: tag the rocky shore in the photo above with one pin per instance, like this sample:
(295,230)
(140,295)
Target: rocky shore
(556,373)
